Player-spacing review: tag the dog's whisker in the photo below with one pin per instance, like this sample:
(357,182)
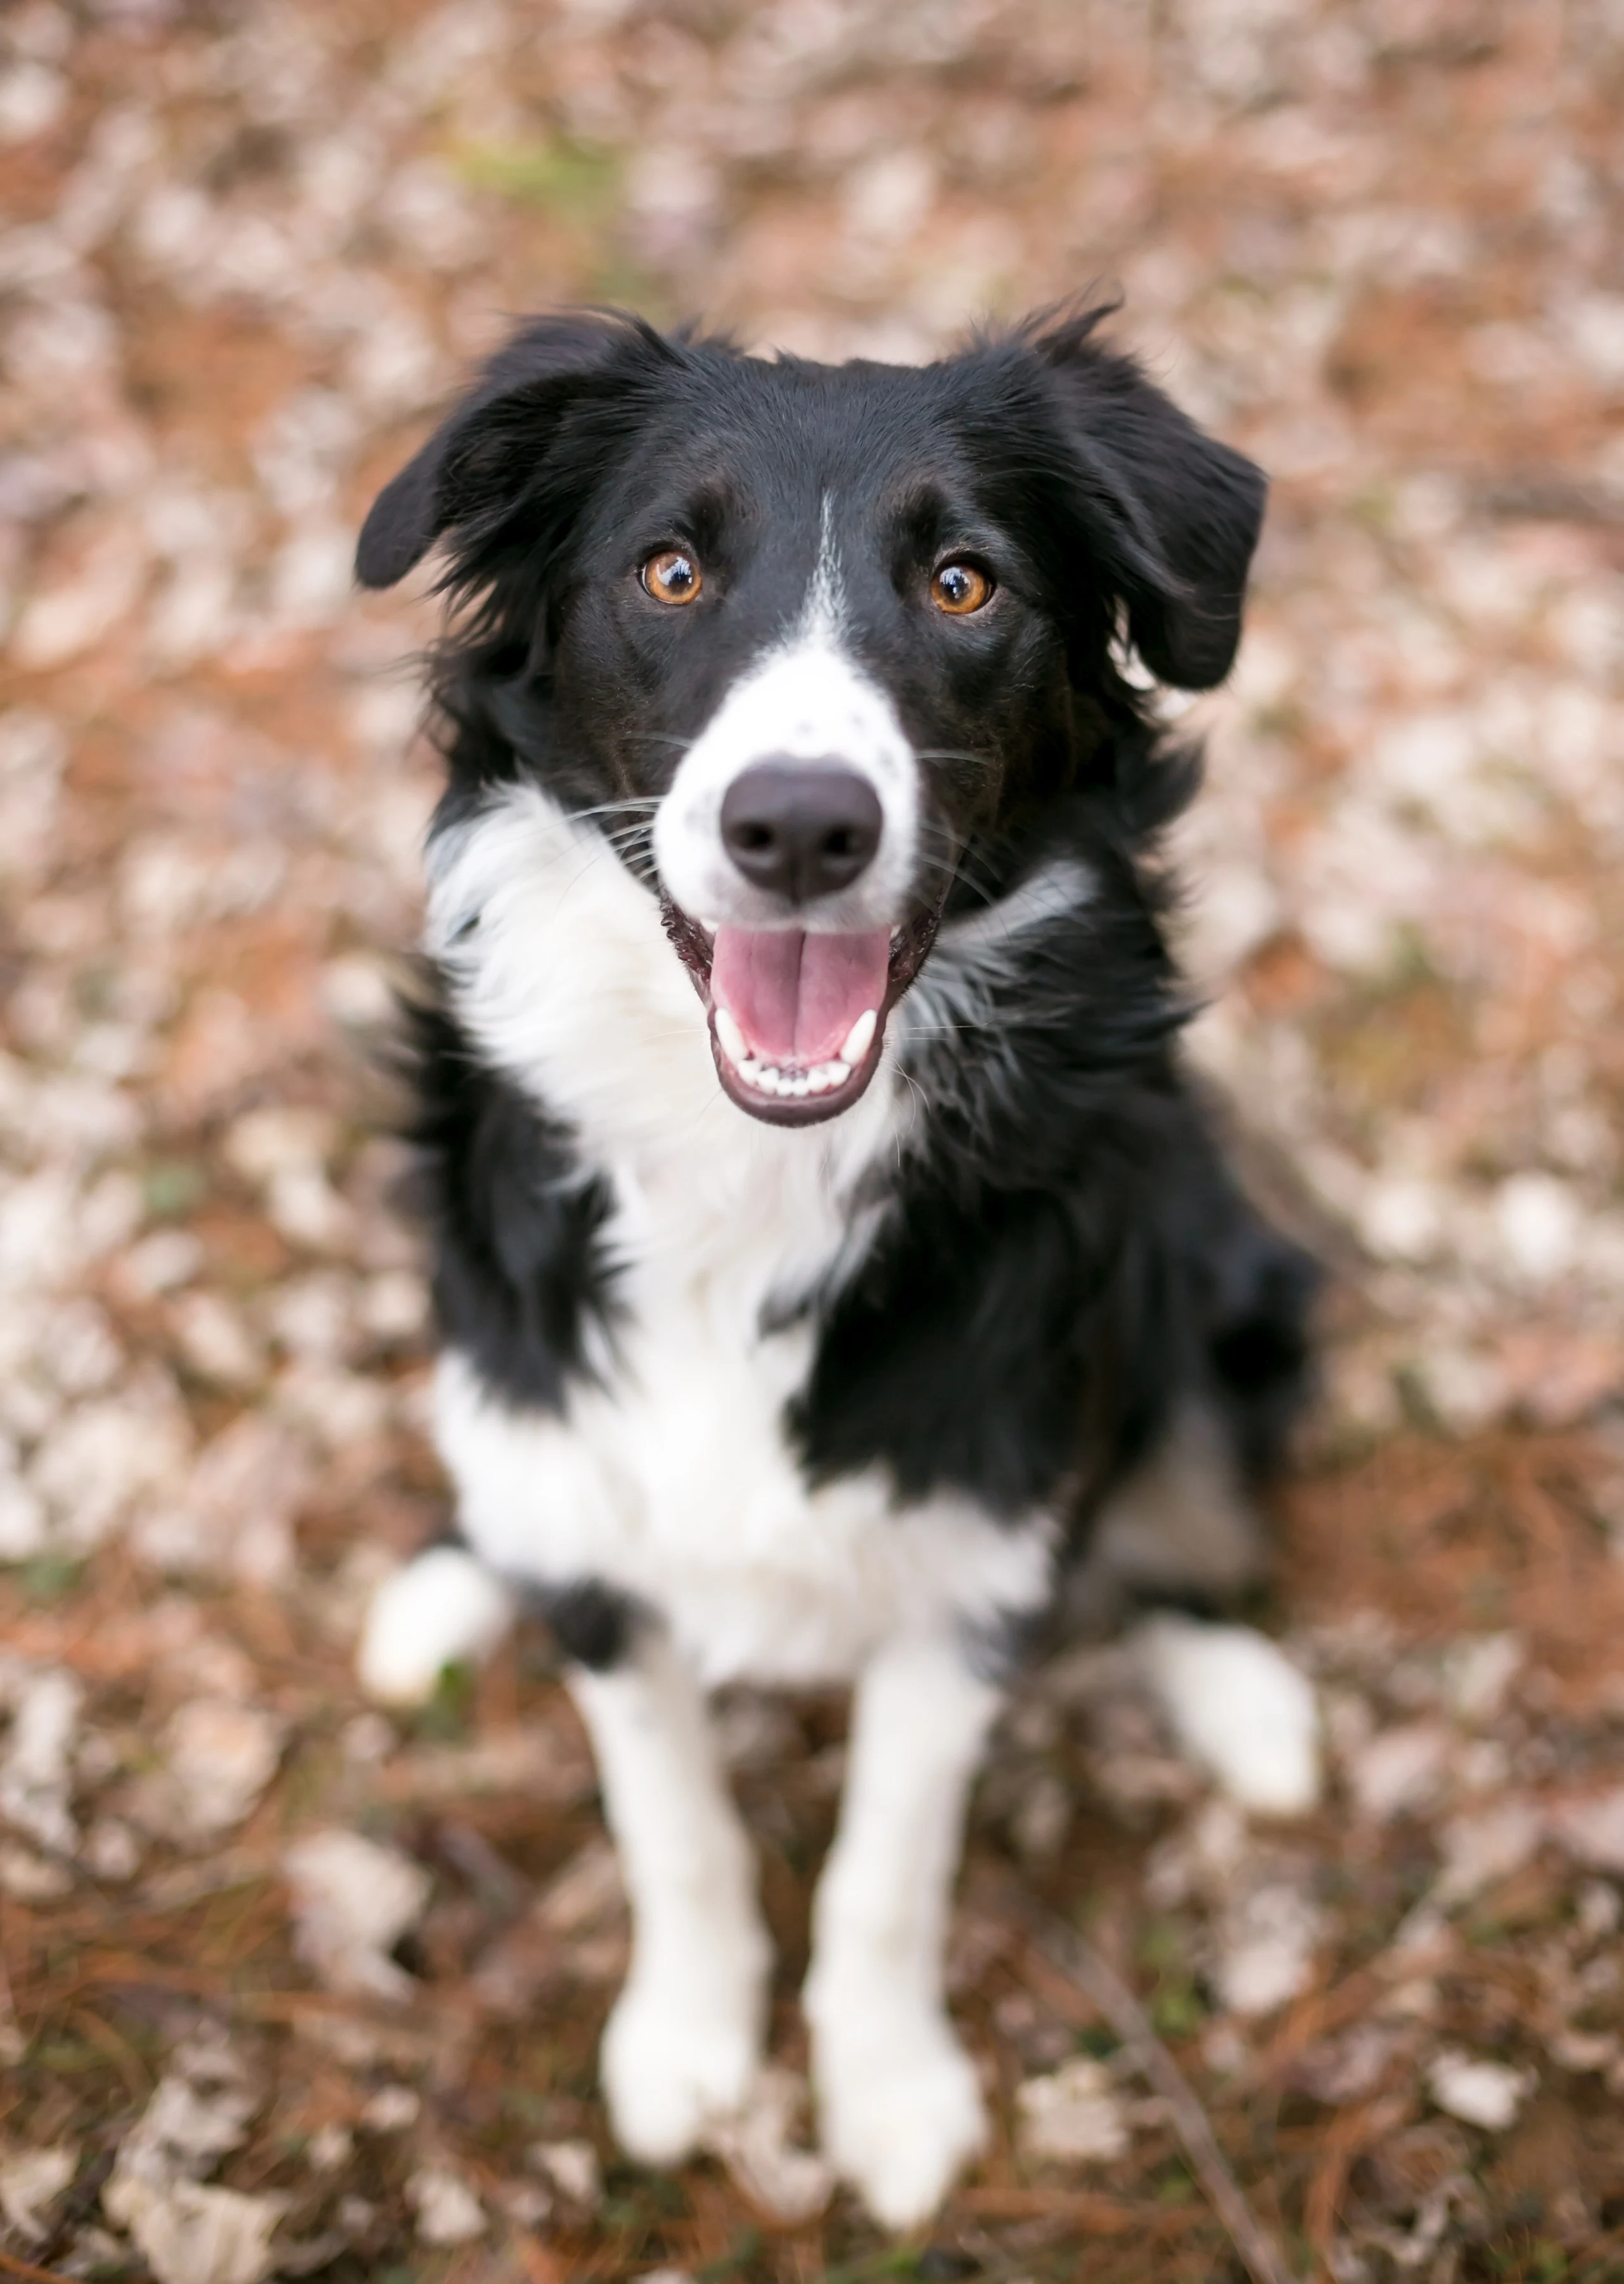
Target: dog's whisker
(618,808)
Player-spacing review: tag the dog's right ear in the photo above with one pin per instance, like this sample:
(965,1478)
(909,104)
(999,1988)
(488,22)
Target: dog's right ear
(1174,514)
(478,463)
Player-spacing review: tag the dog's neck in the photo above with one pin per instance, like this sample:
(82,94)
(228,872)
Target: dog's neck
(559,971)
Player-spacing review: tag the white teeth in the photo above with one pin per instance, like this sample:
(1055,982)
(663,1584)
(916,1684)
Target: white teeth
(735,1046)
(789,1085)
(860,1039)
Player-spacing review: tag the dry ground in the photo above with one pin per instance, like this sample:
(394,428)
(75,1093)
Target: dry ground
(249,247)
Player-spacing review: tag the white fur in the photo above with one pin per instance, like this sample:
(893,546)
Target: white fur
(682,2043)
(1239,1707)
(667,1476)
(899,2105)
(985,942)
(804,697)
(974,961)
(675,1485)
(443,1607)
(670,1477)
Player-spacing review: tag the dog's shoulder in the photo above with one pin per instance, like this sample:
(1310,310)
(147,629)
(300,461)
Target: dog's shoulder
(514,1212)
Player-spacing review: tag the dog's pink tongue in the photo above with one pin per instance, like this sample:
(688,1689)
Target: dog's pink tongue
(796,997)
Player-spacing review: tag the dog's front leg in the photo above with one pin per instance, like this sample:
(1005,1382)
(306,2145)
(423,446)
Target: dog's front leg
(683,2042)
(899,2104)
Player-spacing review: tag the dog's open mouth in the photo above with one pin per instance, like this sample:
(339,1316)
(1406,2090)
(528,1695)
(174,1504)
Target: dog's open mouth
(797,1020)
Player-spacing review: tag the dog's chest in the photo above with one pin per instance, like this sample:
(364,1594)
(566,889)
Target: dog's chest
(717,1254)
(671,1475)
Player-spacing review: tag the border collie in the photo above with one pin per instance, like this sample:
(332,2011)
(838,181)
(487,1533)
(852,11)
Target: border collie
(838,1277)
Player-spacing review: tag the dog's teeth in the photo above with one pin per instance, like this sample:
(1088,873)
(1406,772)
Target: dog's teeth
(860,1039)
(792,1085)
(735,1046)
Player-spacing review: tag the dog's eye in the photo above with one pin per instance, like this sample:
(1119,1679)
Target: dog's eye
(960,587)
(672,575)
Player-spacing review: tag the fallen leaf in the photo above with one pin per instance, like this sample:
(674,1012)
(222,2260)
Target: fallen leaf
(1483,2093)
(1593,1830)
(1399,1770)
(200,2110)
(588,1894)
(189,2233)
(1072,2115)
(235,1516)
(192,2234)
(448,2211)
(1266,1945)
(391,2109)
(573,2168)
(36,1775)
(352,1901)
(31,2180)
(759,2148)
(221,1758)
(1481,1849)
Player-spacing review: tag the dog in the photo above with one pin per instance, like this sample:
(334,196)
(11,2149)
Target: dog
(837,1276)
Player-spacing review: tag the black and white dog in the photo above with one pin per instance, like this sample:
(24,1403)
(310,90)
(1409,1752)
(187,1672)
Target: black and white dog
(838,1278)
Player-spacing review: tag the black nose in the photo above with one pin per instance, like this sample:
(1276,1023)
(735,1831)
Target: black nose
(802,828)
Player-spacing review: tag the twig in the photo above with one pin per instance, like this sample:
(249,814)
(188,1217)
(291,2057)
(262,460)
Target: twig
(12,2266)
(1084,1966)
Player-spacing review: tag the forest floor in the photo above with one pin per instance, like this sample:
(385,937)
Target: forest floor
(290,1987)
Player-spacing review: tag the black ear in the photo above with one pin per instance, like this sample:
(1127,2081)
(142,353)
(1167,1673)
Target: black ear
(479,457)
(402,523)
(1179,513)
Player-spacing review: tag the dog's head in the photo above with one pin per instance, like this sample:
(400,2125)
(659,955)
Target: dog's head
(814,630)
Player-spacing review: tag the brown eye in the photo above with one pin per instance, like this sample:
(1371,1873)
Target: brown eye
(672,577)
(959,588)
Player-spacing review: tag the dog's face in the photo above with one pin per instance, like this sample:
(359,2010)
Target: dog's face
(815,631)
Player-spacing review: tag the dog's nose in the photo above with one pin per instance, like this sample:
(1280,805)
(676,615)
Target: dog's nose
(802,828)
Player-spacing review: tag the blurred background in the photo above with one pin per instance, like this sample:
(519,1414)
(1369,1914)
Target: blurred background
(249,249)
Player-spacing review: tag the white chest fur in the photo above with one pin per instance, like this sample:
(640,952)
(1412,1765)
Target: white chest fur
(671,1477)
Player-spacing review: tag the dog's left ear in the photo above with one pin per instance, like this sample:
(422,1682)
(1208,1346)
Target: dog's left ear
(1176,514)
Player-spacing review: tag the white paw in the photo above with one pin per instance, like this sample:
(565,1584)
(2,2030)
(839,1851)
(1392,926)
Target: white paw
(443,1605)
(673,2066)
(900,2110)
(1239,1707)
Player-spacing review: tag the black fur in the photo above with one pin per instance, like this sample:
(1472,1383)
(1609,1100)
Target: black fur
(1065,1259)
(513,1219)
(1068,1260)
(590,1622)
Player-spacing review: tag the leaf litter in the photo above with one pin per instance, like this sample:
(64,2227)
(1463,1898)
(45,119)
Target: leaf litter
(248,253)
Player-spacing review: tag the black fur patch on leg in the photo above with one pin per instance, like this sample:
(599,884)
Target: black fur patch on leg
(592,1623)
